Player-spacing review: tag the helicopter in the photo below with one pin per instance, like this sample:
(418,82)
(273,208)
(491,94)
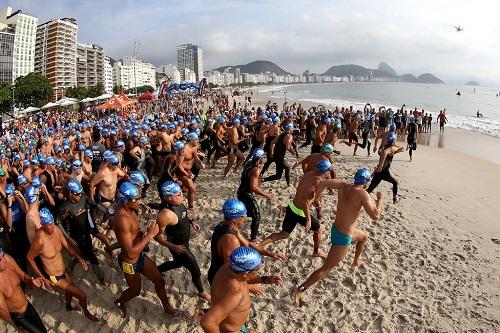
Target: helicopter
(458,28)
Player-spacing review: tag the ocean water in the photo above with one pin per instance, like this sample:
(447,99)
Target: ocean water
(460,110)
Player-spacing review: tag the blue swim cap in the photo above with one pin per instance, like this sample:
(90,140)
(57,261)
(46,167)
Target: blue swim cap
(81,147)
(74,186)
(46,216)
(392,127)
(144,140)
(127,191)
(327,120)
(323,166)
(236,121)
(88,153)
(31,194)
(192,136)
(21,180)
(327,148)
(258,153)
(77,164)
(244,259)
(36,182)
(288,126)
(50,160)
(113,160)
(178,145)
(9,189)
(233,209)
(137,178)
(120,144)
(184,131)
(275,119)
(391,137)
(170,188)
(362,176)
(66,147)
(58,149)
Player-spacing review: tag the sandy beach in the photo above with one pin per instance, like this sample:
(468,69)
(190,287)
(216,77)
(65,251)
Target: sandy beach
(433,259)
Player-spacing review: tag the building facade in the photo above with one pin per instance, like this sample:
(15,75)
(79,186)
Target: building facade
(24,28)
(108,75)
(141,73)
(89,65)
(170,71)
(6,56)
(190,56)
(121,75)
(56,53)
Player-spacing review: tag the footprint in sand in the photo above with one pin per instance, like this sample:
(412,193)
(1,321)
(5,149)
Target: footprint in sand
(347,282)
(496,241)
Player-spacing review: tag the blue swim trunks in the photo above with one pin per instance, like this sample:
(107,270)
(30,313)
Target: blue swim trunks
(339,238)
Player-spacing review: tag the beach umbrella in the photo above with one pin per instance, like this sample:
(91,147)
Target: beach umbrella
(49,105)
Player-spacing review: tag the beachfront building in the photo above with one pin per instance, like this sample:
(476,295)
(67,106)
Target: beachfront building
(130,73)
(121,75)
(6,56)
(188,75)
(171,71)
(56,53)
(190,56)
(108,74)
(24,28)
(89,65)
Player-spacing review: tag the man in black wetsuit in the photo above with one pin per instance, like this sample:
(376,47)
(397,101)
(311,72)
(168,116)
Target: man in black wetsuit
(411,139)
(174,221)
(382,171)
(97,149)
(249,185)
(75,216)
(280,145)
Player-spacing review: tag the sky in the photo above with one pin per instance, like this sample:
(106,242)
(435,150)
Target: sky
(411,36)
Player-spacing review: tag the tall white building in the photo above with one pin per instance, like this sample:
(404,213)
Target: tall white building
(56,52)
(121,75)
(190,56)
(141,73)
(170,71)
(24,40)
(89,65)
(108,75)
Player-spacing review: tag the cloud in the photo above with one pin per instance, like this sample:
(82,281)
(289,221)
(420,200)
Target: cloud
(411,36)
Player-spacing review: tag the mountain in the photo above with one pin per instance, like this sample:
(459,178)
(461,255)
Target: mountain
(408,78)
(429,78)
(256,67)
(472,83)
(356,70)
(386,68)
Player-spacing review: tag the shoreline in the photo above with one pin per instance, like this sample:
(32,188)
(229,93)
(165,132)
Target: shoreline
(473,143)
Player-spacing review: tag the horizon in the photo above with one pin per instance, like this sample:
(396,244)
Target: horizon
(413,39)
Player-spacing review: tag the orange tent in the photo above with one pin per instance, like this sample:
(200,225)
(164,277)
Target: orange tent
(113,103)
(124,98)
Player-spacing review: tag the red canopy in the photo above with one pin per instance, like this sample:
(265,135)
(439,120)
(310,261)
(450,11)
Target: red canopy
(113,103)
(147,96)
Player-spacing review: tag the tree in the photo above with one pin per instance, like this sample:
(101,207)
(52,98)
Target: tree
(5,97)
(117,89)
(32,90)
(140,90)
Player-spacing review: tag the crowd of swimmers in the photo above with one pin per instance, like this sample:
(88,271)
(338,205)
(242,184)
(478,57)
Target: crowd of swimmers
(75,177)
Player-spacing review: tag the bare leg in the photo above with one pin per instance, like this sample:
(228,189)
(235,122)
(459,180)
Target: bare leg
(316,241)
(361,237)
(72,290)
(133,290)
(230,162)
(152,273)
(335,256)
(275,237)
(240,160)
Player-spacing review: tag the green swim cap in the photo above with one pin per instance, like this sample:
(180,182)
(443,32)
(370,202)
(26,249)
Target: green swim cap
(327,148)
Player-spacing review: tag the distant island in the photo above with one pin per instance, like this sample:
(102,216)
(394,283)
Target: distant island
(264,71)
(472,83)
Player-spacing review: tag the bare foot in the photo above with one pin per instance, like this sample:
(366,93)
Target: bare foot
(319,253)
(70,307)
(282,211)
(90,316)
(122,308)
(206,296)
(395,200)
(173,312)
(358,263)
(297,298)
(198,314)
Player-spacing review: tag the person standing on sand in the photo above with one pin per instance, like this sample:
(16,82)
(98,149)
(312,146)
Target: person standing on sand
(48,244)
(132,260)
(299,209)
(441,118)
(14,306)
(351,198)
(411,139)
(382,172)
(231,292)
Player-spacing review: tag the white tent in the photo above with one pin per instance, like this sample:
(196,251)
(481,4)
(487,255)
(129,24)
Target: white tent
(30,109)
(66,102)
(88,99)
(49,105)
(103,96)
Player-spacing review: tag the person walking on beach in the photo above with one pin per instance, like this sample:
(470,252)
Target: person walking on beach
(14,306)
(249,185)
(411,139)
(441,118)
(279,146)
(231,292)
(299,209)
(382,172)
(48,244)
(351,199)
(173,219)
(132,260)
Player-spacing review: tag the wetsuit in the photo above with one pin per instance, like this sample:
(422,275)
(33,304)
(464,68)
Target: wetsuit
(279,159)
(179,234)
(19,238)
(386,175)
(217,260)
(29,320)
(98,151)
(80,226)
(366,136)
(5,243)
(245,195)
(410,139)
(267,149)
(309,132)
